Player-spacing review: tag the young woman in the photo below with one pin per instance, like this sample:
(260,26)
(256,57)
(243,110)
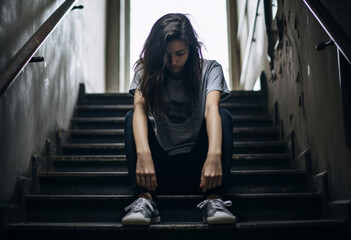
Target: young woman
(187,148)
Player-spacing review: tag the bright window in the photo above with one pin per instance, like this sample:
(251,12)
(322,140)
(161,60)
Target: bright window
(208,17)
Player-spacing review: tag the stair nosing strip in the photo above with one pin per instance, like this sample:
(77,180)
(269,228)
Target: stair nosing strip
(121,131)
(238,144)
(255,129)
(108,95)
(251,156)
(122,158)
(174,225)
(125,173)
(97,119)
(93,145)
(262,155)
(125,106)
(95,132)
(106,106)
(172,197)
(89,156)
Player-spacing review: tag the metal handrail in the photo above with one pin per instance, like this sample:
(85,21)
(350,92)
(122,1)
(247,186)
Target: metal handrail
(14,67)
(331,27)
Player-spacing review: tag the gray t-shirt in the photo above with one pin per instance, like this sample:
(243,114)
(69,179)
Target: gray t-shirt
(177,127)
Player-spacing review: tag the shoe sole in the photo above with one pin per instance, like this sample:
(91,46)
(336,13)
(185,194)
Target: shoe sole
(140,222)
(219,220)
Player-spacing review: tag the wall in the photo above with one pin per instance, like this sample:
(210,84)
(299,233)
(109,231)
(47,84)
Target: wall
(306,90)
(42,98)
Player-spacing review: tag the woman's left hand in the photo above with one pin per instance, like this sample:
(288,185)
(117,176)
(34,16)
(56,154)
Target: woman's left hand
(211,175)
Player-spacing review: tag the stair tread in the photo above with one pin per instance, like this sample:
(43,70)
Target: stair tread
(116,106)
(121,131)
(166,197)
(260,143)
(98,119)
(255,129)
(124,174)
(252,117)
(274,171)
(261,156)
(240,117)
(253,143)
(175,225)
(124,106)
(108,95)
(103,157)
(125,94)
(93,145)
(87,158)
(96,131)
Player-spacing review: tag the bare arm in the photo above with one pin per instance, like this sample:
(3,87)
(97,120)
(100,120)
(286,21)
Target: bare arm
(211,175)
(145,170)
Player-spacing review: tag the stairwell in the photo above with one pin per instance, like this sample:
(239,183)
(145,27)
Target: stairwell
(84,194)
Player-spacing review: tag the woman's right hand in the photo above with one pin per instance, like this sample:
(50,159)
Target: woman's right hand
(145,172)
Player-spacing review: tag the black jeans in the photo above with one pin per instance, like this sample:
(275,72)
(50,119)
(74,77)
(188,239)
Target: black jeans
(181,173)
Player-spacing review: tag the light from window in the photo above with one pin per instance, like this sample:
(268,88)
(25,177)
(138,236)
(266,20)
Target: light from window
(274,8)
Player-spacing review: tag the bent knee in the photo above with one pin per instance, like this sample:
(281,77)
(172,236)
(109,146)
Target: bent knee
(129,115)
(224,113)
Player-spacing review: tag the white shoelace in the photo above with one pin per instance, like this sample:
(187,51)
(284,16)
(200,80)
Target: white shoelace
(139,204)
(215,203)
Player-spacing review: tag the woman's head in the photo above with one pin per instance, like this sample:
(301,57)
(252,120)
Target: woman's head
(170,27)
(177,57)
(171,49)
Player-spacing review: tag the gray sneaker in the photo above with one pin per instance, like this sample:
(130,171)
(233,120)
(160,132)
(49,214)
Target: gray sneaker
(141,212)
(215,211)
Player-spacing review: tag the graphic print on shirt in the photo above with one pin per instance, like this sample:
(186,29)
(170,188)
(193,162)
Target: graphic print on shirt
(178,112)
(179,115)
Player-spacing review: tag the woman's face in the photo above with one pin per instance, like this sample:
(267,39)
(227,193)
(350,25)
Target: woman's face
(178,53)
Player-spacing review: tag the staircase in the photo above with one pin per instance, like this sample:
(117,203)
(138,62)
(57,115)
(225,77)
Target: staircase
(84,195)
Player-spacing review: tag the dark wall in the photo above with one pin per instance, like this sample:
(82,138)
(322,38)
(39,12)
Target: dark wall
(340,10)
(42,98)
(305,88)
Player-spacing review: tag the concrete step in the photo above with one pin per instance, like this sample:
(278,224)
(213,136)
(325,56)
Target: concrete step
(97,123)
(107,99)
(126,98)
(245,134)
(173,208)
(252,121)
(260,147)
(273,230)
(121,110)
(94,136)
(93,163)
(118,122)
(268,161)
(102,110)
(244,181)
(117,163)
(118,148)
(117,135)
(245,96)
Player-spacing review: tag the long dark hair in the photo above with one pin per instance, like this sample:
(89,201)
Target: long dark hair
(153,59)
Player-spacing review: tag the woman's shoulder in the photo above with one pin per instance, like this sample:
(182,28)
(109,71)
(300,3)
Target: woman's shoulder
(138,72)
(206,64)
(210,66)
